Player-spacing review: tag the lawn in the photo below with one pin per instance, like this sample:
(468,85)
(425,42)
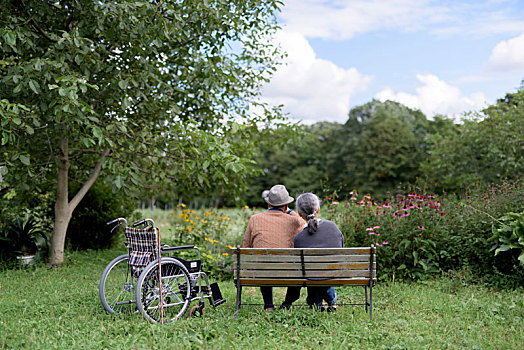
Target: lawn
(47,308)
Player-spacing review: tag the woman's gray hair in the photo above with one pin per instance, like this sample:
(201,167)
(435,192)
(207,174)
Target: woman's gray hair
(307,205)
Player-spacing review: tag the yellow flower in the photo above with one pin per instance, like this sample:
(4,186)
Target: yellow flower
(181,205)
(226,217)
(245,207)
(225,254)
(213,241)
(189,228)
(204,221)
(207,239)
(208,256)
(230,246)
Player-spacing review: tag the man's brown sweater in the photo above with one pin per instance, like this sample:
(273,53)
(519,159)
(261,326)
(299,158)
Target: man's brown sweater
(272,229)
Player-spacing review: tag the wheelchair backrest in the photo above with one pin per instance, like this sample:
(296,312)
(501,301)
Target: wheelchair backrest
(143,247)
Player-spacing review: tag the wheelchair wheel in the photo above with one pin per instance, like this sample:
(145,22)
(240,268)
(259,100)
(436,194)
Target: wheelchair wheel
(117,287)
(176,291)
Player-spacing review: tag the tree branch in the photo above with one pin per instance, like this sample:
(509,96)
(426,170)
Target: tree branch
(35,25)
(87,185)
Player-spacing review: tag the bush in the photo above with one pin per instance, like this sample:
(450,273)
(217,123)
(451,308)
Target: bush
(208,230)
(419,235)
(87,228)
(23,237)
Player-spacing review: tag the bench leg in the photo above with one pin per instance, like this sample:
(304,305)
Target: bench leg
(239,299)
(366,293)
(370,303)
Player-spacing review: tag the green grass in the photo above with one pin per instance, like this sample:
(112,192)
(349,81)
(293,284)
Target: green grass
(48,308)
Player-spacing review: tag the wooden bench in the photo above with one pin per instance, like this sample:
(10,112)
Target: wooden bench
(285,267)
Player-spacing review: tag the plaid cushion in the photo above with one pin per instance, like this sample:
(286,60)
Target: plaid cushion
(142,248)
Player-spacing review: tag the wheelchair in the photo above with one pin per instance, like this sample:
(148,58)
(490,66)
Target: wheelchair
(151,280)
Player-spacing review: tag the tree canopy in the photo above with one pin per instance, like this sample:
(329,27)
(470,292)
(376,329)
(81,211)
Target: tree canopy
(146,93)
(483,150)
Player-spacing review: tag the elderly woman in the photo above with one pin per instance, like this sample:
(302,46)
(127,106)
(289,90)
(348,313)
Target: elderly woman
(317,234)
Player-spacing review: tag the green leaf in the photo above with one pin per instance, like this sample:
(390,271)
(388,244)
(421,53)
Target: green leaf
(17,89)
(97,133)
(10,39)
(502,248)
(122,84)
(34,86)
(24,160)
(17,121)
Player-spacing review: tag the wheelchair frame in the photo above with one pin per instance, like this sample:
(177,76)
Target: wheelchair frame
(161,287)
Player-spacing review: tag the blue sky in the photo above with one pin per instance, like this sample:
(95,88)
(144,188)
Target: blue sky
(442,57)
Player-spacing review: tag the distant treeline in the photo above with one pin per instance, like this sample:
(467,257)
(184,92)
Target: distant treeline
(384,145)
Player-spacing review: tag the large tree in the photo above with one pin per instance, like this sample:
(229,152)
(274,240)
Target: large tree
(380,146)
(145,92)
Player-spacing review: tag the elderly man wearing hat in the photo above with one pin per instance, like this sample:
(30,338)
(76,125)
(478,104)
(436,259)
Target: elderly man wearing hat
(275,228)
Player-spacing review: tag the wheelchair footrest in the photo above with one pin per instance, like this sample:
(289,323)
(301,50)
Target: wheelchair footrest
(218,302)
(216,294)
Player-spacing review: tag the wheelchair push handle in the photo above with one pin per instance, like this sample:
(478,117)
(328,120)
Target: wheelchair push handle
(144,222)
(119,222)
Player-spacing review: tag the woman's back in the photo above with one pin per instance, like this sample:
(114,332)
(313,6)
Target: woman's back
(328,235)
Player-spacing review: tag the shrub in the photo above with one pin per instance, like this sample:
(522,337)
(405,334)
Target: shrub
(22,238)
(88,229)
(508,233)
(469,228)
(418,234)
(403,229)
(207,230)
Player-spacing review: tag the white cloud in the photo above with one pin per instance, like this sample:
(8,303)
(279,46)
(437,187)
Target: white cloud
(344,19)
(436,97)
(311,88)
(508,55)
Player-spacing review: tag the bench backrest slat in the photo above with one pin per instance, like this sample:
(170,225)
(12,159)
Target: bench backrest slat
(296,258)
(307,251)
(301,282)
(308,274)
(332,265)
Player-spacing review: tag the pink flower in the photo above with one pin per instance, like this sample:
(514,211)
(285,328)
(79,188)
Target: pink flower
(375,227)
(335,203)
(421,228)
(372,233)
(385,243)
(378,244)
(404,215)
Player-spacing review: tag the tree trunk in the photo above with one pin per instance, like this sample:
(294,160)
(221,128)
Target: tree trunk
(63,207)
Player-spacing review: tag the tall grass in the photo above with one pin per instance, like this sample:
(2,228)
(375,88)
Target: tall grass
(48,308)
